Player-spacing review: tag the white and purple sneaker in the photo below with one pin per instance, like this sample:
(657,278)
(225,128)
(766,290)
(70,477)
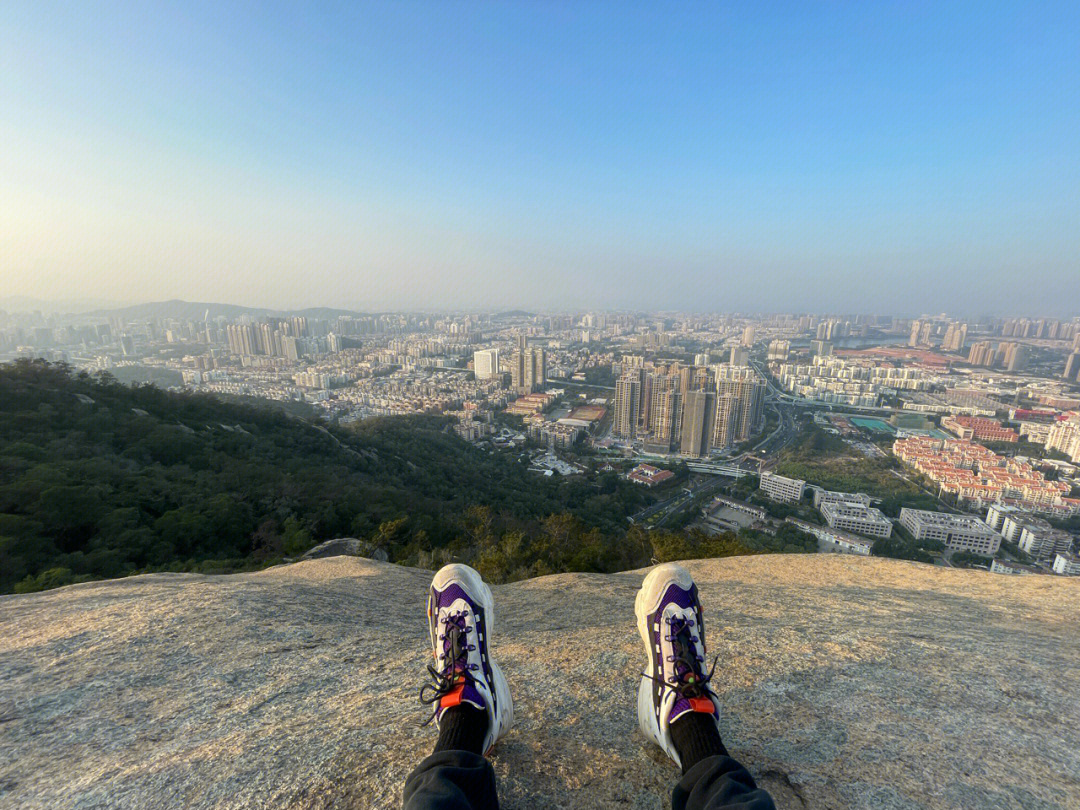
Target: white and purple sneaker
(461,617)
(674,682)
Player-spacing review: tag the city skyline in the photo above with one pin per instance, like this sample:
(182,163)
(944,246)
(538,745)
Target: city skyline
(18,304)
(496,156)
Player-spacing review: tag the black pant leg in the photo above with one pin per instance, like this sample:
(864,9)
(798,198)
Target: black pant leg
(719,783)
(451,780)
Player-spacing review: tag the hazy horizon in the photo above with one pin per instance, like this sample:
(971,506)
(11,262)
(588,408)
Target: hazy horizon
(423,156)
(75,307)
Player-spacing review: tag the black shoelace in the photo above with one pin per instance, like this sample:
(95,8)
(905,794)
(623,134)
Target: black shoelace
(690,681)
(456,666)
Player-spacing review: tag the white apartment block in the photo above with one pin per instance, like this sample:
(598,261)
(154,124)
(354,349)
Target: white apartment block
(996,514)
(1065,436)
(823,496)
(779,488)
(835,540)
(855,517)
(957,532)
(1032,534)
(1067,564)
(1035,432)
(1044,543)
(486,364)
(1014,568)
(1014,524)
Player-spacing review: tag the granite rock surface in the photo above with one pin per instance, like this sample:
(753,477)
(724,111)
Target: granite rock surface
(346,546)
(847,683)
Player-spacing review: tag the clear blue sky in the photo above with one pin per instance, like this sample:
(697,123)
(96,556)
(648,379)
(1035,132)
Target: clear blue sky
(864,156)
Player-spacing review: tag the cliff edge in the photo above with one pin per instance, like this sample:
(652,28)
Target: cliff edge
(847,683)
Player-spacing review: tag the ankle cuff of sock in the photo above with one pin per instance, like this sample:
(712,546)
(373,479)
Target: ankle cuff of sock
(462,728)
(696,737)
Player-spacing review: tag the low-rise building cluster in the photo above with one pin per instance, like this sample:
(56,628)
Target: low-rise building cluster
(1015,568)
(956,532)
(835,540)
(558,433)
(1067,565)
(473,422)
(978,477)
(782,489)
(1032,534)
(415,390)
(979,428)
(856,517)
(851,381)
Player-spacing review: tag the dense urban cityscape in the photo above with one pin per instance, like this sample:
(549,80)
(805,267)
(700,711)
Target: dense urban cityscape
(955,440)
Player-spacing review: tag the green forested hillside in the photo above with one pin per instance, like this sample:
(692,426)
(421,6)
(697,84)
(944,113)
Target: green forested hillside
(98,479)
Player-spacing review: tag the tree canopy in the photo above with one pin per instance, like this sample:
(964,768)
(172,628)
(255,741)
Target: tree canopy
(100,479)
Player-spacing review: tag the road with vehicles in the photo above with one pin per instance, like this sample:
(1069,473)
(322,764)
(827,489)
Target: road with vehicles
(786,432)
(661,512)
(732,469)
(778,394)
(576,384)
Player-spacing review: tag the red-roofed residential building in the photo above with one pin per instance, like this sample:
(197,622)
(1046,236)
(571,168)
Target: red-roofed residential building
(980,477)
(979,428)
(649,475)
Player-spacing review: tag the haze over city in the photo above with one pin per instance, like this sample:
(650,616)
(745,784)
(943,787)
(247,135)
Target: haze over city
(906,158)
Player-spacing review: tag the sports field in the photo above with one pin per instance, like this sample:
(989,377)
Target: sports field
(881,426)
(590,413)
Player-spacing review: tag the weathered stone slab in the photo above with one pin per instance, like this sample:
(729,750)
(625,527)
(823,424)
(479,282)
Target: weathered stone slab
(847,682)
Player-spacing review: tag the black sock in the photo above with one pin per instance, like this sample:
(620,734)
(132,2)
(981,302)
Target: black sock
(462,728)
(696,737)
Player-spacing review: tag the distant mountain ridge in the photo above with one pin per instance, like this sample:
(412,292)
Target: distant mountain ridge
(70,306)
(197,311)
(181,310)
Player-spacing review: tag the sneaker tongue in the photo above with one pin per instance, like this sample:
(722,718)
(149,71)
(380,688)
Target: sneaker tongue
(470,694)
(684,705)
(464,693)
(690,694)
(679,708)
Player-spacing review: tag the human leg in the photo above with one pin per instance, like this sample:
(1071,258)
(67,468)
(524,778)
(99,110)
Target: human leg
(471,699)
